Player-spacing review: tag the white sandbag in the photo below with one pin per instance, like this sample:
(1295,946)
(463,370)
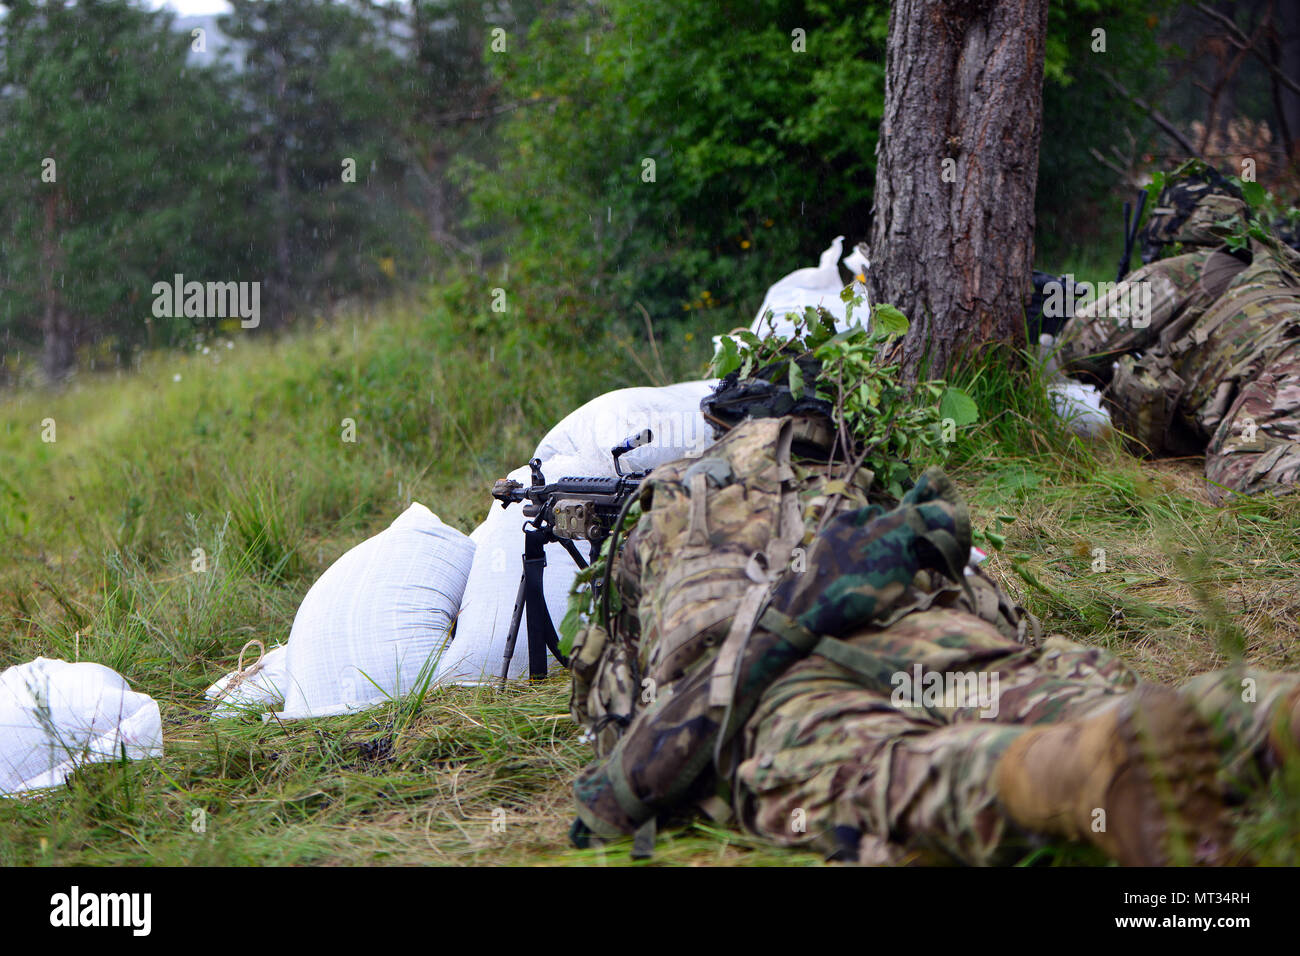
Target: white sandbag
(578,446)
(585,436)
(259,691)
(1080,406)
(376,618)
(859,265)
(55,716)
(1078,403)
(818,286)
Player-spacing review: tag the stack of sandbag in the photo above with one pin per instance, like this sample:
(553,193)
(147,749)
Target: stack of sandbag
(55,716)
(369,630)
(578,446)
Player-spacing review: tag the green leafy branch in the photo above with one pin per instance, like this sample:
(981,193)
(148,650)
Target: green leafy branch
(897,429)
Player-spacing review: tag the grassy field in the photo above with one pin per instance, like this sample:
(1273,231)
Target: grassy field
(236,447)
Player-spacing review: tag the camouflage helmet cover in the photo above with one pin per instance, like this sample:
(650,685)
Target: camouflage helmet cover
(765,393)
(1194,202)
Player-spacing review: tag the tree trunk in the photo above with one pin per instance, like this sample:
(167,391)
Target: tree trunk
(957,164)
(58,332)
(282,273)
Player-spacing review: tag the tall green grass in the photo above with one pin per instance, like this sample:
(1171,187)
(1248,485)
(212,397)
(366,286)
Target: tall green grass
(187,507)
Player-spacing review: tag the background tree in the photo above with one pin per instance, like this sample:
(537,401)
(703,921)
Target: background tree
(109,182)
(311,103)
(527,150)
(952,235)
(759,119)
(449,103)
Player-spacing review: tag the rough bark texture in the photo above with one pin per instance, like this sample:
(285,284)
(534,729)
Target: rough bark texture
(963,81)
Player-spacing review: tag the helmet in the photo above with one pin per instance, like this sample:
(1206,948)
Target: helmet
(1194,200)
(765,394)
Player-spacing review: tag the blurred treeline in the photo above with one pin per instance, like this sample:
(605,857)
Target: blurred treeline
(592,159)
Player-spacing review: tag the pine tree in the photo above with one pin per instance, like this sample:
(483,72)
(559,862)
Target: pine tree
(114,174)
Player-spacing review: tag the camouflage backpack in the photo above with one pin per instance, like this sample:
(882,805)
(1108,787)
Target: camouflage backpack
(706,580)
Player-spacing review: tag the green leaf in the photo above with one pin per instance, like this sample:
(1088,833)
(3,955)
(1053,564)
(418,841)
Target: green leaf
(888,320)
(958,406)
(1156,187)
(796,380)
(995,539)
(1254,193)
(727,358)
(569,626)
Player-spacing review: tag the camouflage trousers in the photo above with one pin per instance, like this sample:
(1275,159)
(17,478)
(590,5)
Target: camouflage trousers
(904,771)
(1257,445)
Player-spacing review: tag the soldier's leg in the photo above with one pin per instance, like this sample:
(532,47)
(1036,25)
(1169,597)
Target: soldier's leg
(836,767)
(1257,445)
(1255,716)
(958,668)
(1253,713)
(833,759)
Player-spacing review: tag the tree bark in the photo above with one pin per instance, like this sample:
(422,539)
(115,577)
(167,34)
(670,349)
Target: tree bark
(957,165)
(58,331)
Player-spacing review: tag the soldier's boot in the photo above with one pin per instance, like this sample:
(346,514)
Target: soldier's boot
(1136,779)
(1284,734)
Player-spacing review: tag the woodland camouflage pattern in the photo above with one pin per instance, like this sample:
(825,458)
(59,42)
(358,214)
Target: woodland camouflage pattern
(1217,368)
(810,743)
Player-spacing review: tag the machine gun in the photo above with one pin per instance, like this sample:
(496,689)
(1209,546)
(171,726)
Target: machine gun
(568,510)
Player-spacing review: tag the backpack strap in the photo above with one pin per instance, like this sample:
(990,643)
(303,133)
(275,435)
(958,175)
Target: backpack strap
(763,570)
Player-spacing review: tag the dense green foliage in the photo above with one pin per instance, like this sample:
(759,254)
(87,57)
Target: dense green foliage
(316,168)
(601,158)
(763,141)
(760,151)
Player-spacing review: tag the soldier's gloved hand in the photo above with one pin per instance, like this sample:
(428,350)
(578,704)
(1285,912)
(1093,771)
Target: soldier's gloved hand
(863,561)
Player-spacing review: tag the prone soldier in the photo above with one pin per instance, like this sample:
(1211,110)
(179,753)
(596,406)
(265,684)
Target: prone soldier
(792,650)
(1213,365)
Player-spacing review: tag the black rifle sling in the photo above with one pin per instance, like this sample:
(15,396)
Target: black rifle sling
(541,630)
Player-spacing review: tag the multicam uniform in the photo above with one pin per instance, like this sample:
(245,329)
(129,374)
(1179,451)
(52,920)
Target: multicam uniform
(724,683)
(1218,366)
